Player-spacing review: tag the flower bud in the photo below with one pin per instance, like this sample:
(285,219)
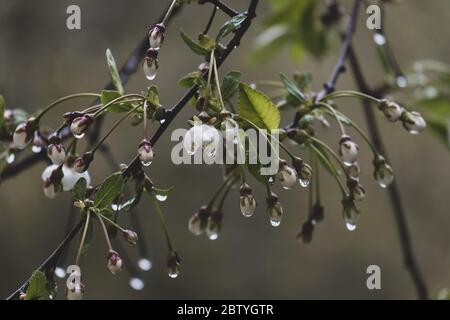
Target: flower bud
(304,171)
(384,174)
(247,201)
(391,110)
(173,264)
(348,150)
(145,152)
(79,125)
(70,116)
(53,183)
(199,220)
(156,36)
(357,191)
(82,163)
(56,151)
(413,122)
(151,64)
(350,213)
(130,236)
(353,170)
(274,210)
(24,133)
(114,262)
(286,175)
(214,225)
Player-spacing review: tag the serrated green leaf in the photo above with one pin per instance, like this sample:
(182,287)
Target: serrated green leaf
(114,73)
(257,108)
(230,84)
(292,89)
(109,95)
(108,191)
(2,110)
(80,189)
(153,96)
(36,288)
(193,45)
(230,26)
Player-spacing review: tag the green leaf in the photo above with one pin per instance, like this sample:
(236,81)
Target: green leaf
(2,110)
(153,96)
(193,45)
(115,77)
(303,80)
(36,288)
(292,89)
(257,108)
(230,84)
(162,194)
(230,26)
(109,95)
(190,80)
(89,238)
(206,42)
(80,189)
(109,190)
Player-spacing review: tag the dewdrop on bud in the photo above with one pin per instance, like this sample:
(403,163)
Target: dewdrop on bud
(247,201)
(348,150)
(156,36)
(82,163)
(286,175)
(214,225)
(114,262)
(350,213)
(391,110)
(384,174)
(274,210)
(56,151)
(353,170)
(150,65)
(304,172)
(357,190)
(130,236)
(173,265)
(413,122)
(145,152)
(198,221)
(79,125)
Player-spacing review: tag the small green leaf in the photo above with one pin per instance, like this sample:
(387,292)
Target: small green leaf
(230,26)
(36,288)
(109,190)
(108,213)
(206,42)
(109,95)
(193,45)
(153,96)
(230,84)
(115,77)
(162,194)
(190,79)
(292,89)
(257,108)
(303,80)
(2,110)
(79,190)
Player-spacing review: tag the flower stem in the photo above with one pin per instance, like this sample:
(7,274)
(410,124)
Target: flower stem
(73,96)
(110,103)
(112,222)
(161,220)
(349,94)
(83,238)
(208,84)
(218,192)
(335,114)
(219,91)
(169,12)
(105,231)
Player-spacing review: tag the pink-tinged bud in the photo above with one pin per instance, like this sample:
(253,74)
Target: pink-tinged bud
(348,150)
(79,125)
(53,183)
(114,262)
(24,133)
(156,36)
(130,236)
(146,153)
(56,151)
(81,164)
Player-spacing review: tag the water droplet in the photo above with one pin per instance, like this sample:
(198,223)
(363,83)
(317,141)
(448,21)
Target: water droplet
(10,159)
(351,226)
(79,136)
(401,81)
(304,182)
(137,284)
(144,264)
(275,222)
(161,197)
(271,180)
(60,273)
(115,207)
(174,273)
(36,149)
(379,39)
(146,163)
(213,236)
(150,71)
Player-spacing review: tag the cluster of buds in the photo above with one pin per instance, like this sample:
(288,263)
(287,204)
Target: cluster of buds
(202,135)
(413,121)
(25,133)
(145,152)
(155,39)
(247,201)
(59,178)
(199,221)
(274,209)
(114,262)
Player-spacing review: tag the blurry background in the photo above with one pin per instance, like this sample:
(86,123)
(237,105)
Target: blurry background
(40,60)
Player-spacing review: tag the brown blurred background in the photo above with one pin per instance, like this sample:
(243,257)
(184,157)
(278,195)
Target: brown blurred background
(40,60)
